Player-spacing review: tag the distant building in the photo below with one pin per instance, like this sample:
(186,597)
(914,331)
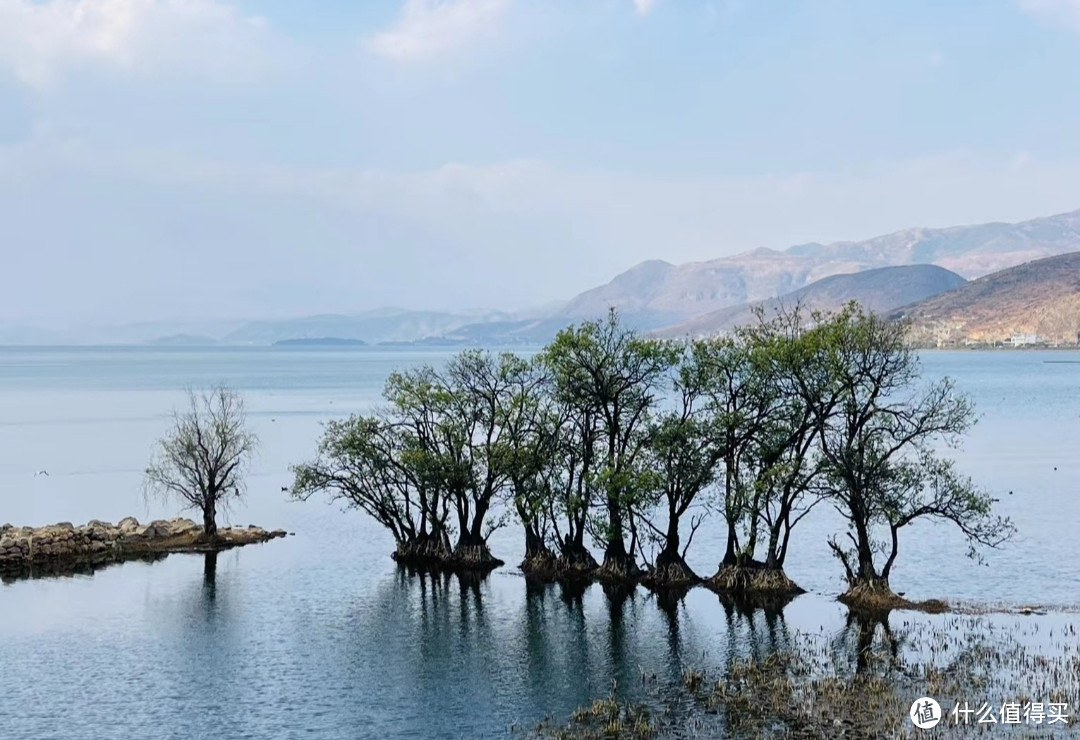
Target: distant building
(1022,339)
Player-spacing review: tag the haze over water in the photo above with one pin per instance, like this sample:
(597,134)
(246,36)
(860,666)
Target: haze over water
(318,635)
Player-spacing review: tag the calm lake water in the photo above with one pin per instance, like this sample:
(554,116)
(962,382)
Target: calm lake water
(319,636)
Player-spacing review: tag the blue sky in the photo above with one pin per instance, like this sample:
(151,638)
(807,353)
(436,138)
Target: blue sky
(243,158)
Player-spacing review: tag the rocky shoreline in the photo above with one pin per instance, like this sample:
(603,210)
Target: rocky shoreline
(102,542)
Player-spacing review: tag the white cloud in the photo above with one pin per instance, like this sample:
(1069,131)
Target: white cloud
(644,7)
(1060,12)
(42,40)
(428,29)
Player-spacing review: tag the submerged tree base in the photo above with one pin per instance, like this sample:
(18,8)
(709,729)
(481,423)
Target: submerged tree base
(618,570)
(541,566)
(474,558)
(426,552)
(575,565)
(753,579)
(434,554)
(875,596)
(670,572)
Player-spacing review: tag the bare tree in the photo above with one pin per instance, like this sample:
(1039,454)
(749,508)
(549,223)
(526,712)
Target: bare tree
(201,460)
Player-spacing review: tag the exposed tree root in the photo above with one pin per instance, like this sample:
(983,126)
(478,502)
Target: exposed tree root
(753,579)
(423,553)
(618,570)
(541,566)
(575,564)
(434,554)
(670,572)
(474,557)
(876,597)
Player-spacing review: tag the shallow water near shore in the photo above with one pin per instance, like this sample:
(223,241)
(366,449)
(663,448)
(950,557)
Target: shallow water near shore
(320,635)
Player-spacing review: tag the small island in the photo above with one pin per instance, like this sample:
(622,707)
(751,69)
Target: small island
(96,542)
(320,342)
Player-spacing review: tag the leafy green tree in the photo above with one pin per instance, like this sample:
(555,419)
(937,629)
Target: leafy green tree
(373,463)
(683,455)
(606,372)
(881,441)
(779,467)
(738,398)
(529,440)
(571,482)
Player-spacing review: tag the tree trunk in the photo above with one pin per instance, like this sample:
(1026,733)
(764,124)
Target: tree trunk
(210,517)
(477,531)
(670,570)
(539,562)
(867,571)
(772,557)
(671,540)
(534,543)
(618,563)
(730,558)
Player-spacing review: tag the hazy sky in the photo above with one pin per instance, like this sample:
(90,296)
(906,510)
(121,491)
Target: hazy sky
(269,157)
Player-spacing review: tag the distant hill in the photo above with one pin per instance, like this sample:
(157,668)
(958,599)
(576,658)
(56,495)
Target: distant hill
(659,291)
(1040,298)
(384,325)
(539,331)
(321,342)
(184,340)
(880,291)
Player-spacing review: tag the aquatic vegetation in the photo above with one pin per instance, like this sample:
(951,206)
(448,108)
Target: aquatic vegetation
(862,682)
(604,719)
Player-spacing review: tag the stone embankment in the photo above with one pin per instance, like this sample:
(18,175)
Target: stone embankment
(100,542)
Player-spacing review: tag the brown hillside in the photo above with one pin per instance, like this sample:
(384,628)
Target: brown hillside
(1040,297)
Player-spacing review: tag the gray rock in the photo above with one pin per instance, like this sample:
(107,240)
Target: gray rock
(183,526)
(128,524)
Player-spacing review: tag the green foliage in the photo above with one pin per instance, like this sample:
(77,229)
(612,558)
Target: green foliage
(880,435)
(609,378)
(620,436)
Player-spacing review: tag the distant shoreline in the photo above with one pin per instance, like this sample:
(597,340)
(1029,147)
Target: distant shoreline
(320,342)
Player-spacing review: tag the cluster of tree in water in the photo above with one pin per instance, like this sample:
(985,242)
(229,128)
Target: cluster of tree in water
(614,439)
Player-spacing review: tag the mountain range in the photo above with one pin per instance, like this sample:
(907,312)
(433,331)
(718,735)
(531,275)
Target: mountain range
(673,293)
(669,299)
